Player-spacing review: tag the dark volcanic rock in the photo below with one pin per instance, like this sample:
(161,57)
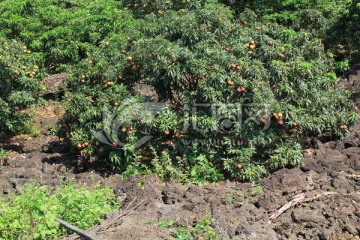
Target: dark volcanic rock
(307,215)
(351,151)
(342,183)
(248,231)
(354,162)
(313,166)
(171,195)
(334,155)
(267,202)
(351,142)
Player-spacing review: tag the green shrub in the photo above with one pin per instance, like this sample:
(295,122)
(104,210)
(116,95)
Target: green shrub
(32,214)
(63,30)
(334,21)
(354,29)
(265,86)
(344,38)
(20,83)
(141,8)
(271,84)
(315,16)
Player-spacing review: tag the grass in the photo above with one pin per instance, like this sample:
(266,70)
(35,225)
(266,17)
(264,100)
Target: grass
(4,153)
(31,215)
(202,230)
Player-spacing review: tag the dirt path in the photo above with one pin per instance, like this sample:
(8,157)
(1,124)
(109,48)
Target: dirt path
(321,199)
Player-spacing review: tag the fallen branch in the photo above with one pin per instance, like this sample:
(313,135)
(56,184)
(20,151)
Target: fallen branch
(298,199)
(310,185)
(353,176)
(80,232)
(104,227)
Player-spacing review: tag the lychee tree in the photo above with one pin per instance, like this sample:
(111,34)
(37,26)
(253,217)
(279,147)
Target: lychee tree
(20,83)
(240,92)
(212,57)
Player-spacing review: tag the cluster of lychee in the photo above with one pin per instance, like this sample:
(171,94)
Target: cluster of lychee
(278,118)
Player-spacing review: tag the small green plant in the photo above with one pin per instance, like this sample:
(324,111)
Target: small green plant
(202,169)
(4,153)
(328,187)
(257,190)
(53,130)
(245,202)
(35,132)
(286,156)
(343,66)
(141,183)
(32,214)
(166,223)
(230,197)
(164,166)
(202,230)
(243,197)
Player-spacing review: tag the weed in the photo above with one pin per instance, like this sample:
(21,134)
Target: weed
(32,214)
(328,187)
(141,183)
(257,190)
(202,230)
(243,197)
(4,153)
(53,130)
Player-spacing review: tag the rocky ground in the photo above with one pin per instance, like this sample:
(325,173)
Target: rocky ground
(319,200)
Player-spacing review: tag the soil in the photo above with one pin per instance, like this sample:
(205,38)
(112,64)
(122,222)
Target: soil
(318,200)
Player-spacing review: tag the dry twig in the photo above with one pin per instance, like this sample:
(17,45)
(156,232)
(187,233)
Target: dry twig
(353,176)
(298,199)
(114,222)
(310,185)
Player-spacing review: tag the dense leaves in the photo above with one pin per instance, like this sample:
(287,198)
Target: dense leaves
(63,30)
(32,214)
(279,80)
(223,93)
(316,16)
(344,36)
(20,82)
(335,21)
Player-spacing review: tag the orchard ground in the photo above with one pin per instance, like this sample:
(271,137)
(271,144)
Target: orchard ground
(328,184)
